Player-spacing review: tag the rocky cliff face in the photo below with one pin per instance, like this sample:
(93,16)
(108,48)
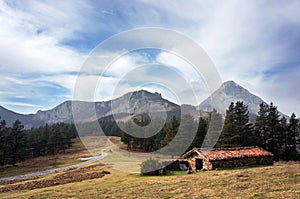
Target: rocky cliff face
(140,102)
(61,113)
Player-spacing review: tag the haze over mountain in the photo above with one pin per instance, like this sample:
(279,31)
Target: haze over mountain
(140,102)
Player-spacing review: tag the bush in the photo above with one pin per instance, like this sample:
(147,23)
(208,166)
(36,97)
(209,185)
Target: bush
(152,167)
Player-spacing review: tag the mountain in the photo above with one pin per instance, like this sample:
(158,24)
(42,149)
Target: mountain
(231,92)
(136,104)
(27,120)
(129,105)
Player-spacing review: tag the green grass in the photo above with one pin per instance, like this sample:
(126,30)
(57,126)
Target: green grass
(178,173)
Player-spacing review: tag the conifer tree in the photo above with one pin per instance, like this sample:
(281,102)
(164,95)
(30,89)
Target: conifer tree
(201,133)
(261,125)
(275,139)
(215,126)
(16,143)
(293,140)
(3,142)
(284,129)
(171,130)
(126,138)
(228,136)
(237,129)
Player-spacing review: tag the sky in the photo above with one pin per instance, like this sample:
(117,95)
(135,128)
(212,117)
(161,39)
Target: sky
(45,44)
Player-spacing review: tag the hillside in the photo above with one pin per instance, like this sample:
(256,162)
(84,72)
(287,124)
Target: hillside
(99,180)
(10,117)
(279,181)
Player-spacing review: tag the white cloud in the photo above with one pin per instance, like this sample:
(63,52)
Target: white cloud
(32,57)
(244,38)
(23,50)
(7,93)
(20,104)
(196,81)
(124,65)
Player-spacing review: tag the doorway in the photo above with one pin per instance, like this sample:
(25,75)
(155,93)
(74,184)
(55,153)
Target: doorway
(199,164)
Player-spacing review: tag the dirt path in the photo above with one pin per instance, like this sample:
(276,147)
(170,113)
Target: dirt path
(88,161)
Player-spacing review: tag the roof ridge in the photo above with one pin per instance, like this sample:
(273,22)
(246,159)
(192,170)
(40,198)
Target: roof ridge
(231,148)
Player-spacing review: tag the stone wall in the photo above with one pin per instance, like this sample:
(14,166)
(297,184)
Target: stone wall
(241,162)
(192,161)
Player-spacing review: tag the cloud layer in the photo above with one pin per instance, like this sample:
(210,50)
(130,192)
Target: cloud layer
(43,45)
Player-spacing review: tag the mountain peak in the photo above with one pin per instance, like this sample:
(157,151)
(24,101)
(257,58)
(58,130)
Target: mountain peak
(145,93)
(229,92)
(230,83)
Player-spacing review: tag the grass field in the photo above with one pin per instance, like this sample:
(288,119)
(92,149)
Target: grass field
(99,181)
(47,162)
(71,156)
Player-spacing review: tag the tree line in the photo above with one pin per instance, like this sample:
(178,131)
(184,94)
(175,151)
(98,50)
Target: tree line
(270,131)
(166,134)
(18,144)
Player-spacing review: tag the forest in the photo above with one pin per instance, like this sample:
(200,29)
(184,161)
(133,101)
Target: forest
(271,131)
(18,144)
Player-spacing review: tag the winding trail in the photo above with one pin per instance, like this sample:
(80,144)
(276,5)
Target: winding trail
(88,161)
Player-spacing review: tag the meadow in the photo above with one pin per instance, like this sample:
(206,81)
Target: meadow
(99,180)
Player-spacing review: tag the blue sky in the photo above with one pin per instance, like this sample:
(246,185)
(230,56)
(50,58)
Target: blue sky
(44,44)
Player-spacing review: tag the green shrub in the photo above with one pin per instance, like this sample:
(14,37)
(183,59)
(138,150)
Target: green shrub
(152,167)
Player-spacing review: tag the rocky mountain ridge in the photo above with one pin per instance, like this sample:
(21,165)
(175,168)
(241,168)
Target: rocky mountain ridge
(140,102)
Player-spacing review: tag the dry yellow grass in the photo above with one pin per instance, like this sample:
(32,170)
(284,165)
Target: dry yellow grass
(279,181)
(71,156)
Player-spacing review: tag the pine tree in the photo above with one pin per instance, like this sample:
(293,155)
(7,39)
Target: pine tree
(215,126)
(293,140)
(16,143)
(171,131)
(201,133)
(236,131)
(242,125)
(3,142)
(126,138)
(159,137)
(229,137)
(284,154)
(186,132)
(261,125)
(274,140)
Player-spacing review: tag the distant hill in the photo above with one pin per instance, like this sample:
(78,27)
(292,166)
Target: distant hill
(10,117)
(140,103)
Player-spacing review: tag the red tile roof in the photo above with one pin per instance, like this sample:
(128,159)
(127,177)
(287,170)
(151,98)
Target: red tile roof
(230,153)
